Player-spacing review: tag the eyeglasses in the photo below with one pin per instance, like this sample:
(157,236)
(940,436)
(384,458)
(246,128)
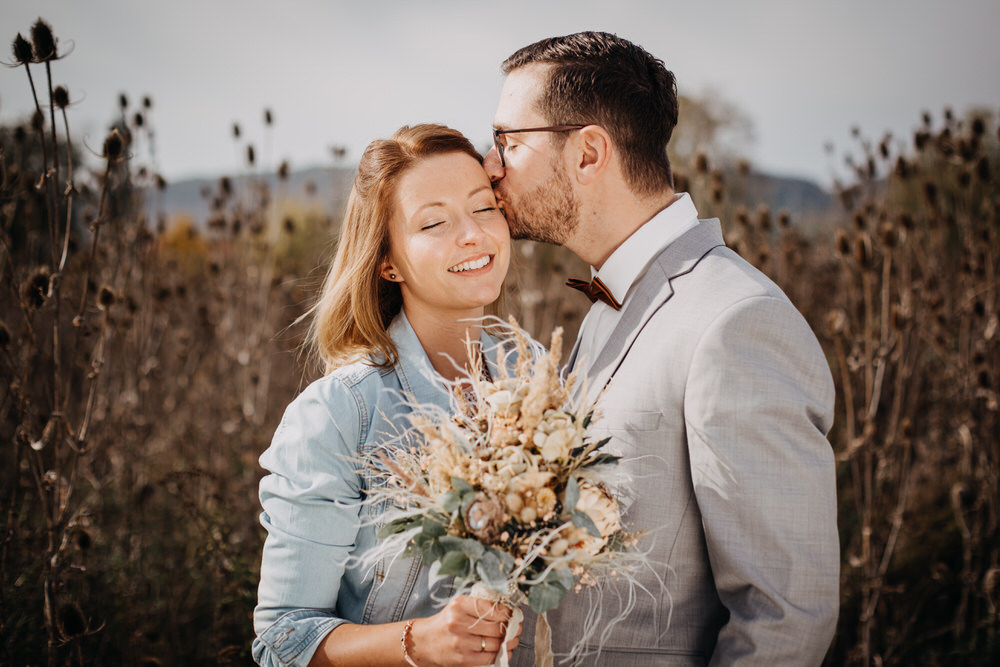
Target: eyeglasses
(550,128)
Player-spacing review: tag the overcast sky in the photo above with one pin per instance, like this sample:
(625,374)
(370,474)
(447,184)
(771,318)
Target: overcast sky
(343,73)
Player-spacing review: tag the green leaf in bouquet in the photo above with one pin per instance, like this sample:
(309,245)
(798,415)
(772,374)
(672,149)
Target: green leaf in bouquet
(602,442)
(572,494)
(563,576)
(545,596)
(398,526)
(450,502)
(461,486)
(601,459)
(471,548)
(454,563)
(491,571)
(583,520)
(432,550)
(435,525)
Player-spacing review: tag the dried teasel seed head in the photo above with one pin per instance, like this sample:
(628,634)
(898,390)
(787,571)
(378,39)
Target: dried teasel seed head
(289,225)
(283,170)
(983,171)
(60,97)
(784,218)
(743,168)
(43,42)
(717,194)
(122,101)
(836,322)
(138,119)
(37,121)
(36,289)
(22,50)
(70,621)
(863,250)
(105,297)
(764,217)
(842,243)
(251,156)
(147,102)
(930,193)
(889,235)
(859,221)
(4,335)
(268,117)
(161,183)
(701,163)
(113,145)
(964,179)
(236,130)
(742,216)
(681,183)
(902,168)
(20,134)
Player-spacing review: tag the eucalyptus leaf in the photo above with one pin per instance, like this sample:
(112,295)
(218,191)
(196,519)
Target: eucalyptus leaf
(545,596)
(461,486)
(435,525)
(432,551)
(490,570)
(471,548)
(450,502)
(454,563)
(572,494)
(397,526)
(583,520)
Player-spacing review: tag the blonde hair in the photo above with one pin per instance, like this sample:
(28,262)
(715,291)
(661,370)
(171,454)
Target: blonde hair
(355,306)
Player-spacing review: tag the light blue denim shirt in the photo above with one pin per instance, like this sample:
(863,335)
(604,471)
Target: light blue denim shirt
(313,512)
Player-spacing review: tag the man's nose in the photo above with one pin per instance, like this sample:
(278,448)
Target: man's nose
(491,163)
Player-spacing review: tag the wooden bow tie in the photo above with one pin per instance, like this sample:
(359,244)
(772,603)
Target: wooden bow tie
(595,290)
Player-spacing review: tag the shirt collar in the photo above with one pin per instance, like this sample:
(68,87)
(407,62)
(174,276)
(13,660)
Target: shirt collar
(630,259)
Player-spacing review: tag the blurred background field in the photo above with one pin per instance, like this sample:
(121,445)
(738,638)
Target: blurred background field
(148,348)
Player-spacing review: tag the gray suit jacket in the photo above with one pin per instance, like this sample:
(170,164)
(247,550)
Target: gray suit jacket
(719,394)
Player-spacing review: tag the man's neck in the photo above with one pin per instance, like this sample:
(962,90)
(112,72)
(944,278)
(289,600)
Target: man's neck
(605,225)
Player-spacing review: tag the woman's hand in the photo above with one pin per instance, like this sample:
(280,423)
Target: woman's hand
(468,631)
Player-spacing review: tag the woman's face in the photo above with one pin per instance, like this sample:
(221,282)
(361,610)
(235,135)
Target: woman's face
(449,243)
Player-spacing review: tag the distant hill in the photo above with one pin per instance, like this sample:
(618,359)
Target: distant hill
(328,188)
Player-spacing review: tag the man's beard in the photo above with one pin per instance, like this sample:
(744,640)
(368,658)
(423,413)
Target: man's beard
(548,214)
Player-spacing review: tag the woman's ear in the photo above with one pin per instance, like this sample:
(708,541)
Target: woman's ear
(594,150)
(389,272)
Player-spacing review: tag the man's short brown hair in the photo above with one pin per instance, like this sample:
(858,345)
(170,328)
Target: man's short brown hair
(597,78)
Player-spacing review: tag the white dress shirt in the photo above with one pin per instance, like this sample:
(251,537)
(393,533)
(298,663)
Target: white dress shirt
(626,265)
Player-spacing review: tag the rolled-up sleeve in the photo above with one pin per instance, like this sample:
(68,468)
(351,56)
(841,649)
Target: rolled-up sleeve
(311,503)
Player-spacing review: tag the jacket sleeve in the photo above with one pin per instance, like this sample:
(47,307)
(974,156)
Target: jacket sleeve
(311,502)
(758,406)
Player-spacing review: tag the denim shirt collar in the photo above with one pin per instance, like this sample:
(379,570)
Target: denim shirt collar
(417,376)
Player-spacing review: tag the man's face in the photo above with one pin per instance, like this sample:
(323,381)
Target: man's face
(533,189)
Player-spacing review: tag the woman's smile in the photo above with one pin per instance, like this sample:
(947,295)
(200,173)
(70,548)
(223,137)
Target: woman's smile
(473,266)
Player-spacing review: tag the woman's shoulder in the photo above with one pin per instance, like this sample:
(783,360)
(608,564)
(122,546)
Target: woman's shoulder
(360,377)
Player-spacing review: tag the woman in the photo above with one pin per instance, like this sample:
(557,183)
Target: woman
(423,250)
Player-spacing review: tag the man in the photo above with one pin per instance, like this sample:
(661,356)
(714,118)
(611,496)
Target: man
(715,387)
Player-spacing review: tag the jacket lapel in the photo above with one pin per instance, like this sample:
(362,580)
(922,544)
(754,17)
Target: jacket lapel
(650,293)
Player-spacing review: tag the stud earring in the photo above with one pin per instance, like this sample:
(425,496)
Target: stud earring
(392,276)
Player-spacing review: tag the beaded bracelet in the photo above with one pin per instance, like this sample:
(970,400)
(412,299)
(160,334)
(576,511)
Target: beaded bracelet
(404,642)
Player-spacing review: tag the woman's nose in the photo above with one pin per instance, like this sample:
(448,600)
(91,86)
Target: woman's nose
(491,163)
(470,232)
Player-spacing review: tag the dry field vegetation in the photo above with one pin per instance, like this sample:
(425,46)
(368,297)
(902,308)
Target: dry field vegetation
(144,366)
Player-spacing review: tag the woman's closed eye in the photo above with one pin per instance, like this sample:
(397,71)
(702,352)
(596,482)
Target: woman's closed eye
(431,225)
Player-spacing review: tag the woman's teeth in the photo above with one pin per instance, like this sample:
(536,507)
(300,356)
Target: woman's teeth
(469,266)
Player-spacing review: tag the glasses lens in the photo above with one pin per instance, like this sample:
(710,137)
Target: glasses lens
(499,147)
